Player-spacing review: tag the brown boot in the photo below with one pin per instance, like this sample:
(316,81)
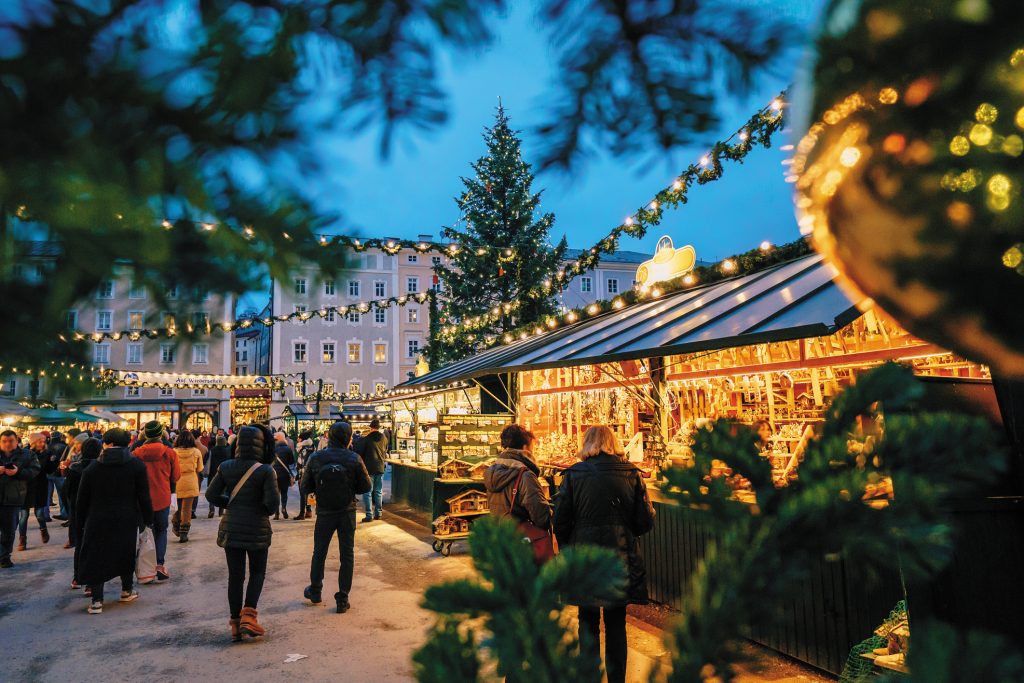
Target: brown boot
(248,624)
(45,535)
(236,632)
(176,524)
(22,542)
(183,533)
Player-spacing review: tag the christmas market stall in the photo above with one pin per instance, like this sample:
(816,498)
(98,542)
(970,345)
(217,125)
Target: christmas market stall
(771,347)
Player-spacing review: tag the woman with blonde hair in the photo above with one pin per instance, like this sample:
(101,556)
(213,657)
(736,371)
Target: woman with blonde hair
(603,501)
(190,461)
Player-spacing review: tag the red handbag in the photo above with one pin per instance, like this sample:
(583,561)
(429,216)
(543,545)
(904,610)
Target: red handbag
(542,542)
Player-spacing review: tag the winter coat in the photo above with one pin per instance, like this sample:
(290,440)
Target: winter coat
(499,479)
(162,469)
(218,454)
(246,521)
(38,486)
(283,462)
(113,504)
(54,454)
(373,449)
(190,462)
(358,477)
(14,490)
(603,501)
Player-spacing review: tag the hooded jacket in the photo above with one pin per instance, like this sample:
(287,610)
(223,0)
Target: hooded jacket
(499,479)
(14,490)
(246,521)
(162,471)
(373,449)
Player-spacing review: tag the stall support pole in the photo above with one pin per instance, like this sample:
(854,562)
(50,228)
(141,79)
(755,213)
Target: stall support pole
(659,393)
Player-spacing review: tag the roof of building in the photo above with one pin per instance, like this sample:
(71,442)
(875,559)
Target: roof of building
(615,257)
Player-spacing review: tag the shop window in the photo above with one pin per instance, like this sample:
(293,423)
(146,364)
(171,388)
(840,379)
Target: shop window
(136,291)
(355,352)
(380,316)
(413,314)
(586,284)
(72,320)
(136,320)
(380,289)
(168,354)
(613,286)
(300,285)
(101,354)
(412,285)
(380,387)
(134,354)
(201,354)
(328,287)
(104,321)
(328,352)
(380,352)
(105,290)
(355,388)
(166,391)
(299,352)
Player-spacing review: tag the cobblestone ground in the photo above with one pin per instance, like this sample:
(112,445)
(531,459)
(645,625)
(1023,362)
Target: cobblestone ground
(178,630)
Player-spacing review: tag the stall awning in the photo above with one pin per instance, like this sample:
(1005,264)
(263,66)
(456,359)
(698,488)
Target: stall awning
(789,301)
(13,408)
(104,415)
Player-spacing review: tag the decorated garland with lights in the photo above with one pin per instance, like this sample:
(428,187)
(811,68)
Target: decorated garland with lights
(106,378)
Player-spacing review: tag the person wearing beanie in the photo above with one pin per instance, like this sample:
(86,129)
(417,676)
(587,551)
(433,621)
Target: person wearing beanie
(90,449)
(246,487)
(162,471)
(113,506)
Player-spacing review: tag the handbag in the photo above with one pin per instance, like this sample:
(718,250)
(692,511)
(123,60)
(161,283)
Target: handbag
(291,475)
(540,539)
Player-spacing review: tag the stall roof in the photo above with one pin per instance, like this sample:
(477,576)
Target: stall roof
(793,300)
(307,411)
(9,407)
(104,414)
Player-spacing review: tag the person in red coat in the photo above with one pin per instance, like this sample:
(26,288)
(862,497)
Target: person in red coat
(162,471)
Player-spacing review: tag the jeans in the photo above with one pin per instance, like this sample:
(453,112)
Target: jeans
(377,492)
(327,524)
(41,517)
(57,482)
(160,521)
(614,638)
(8,523)
(236,577)
(127,583)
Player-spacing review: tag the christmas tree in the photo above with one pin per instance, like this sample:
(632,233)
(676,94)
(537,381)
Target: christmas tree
(499,208)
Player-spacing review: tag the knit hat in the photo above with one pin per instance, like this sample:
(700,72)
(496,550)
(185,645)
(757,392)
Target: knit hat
(81,437)
(154,429)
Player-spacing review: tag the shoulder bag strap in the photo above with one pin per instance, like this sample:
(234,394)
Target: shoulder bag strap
(245,478)
(515,488)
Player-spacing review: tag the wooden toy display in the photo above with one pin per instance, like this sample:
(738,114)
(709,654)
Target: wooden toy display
(456,524)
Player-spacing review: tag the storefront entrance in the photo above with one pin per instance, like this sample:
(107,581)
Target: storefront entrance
(200,420)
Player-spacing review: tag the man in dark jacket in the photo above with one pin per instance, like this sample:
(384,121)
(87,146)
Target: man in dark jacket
(17,468)
(373,449)
(336,475)
(515,464)
(36,499)
(54,454)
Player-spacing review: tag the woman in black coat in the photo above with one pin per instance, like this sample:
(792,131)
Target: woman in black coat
(90,451)
(220,452)
(113,505)
(245,531)
(603,501)
(284,462)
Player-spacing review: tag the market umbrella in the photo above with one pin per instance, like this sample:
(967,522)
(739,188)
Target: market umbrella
(102,414)
(51,417)
(83,416)
(13,408)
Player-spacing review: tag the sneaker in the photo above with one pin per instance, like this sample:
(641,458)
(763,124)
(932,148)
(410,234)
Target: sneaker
(75,585)
(6,564)
(368,518)
(378,515)
(129,596)
(343,606)
(312,595)
(161,574)
(88,592)
(95,608)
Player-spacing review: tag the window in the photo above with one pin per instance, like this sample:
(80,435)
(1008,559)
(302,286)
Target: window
(353,287)
(299,352)
(355,388)
(10,387)
(72,320)
(201,320)
(412,258)
(328,389)
(105,290)
(131,392)
(136,320)
(355,352)
(242,370)
(202,295)
(171,292)
(101,354)
(104,321)
(328,352)
(435,284)
(329,316)
(586,284)
(413,314)
(412,285)
(380,316)
(242,355)
(300,285)
(380,352)
(101,393)
(200,354)
(412,348)
(328,287)
(354,317)
(380,288)
(198,393)
(613,286)
(380,388)
(166,391)
(435,260)
(136,291)
(300,308)
(168,319)
(134,354)
(168,354)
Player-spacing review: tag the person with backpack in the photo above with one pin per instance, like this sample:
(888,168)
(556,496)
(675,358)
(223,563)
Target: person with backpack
(373,449)
(336,475)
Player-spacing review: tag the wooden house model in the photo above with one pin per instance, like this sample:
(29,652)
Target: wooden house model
(454,469)
(477,470)
(468,502)
(446,526)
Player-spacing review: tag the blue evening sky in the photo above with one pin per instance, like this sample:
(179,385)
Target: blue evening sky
(411,192)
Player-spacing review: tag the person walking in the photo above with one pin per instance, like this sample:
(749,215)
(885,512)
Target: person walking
(36,499)
(220,452)
(303,449)
(55,451)
(603,501)
(373,449)
(190,462)
(284,461)
(18,466)
(527,501)
(89,450)
(203,473)
(246,487)
(336,475)
(113,505)
(162,472)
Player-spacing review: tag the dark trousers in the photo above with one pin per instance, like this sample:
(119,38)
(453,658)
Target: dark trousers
(127,581)
(160,523)
(236,577)
(8,525)
(327,524)
(195,501)
(282,487)
(614,638)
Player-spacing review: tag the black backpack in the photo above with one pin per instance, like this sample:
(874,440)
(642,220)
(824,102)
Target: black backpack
(334,487)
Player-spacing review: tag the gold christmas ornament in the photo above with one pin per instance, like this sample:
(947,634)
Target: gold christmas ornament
(909,179)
